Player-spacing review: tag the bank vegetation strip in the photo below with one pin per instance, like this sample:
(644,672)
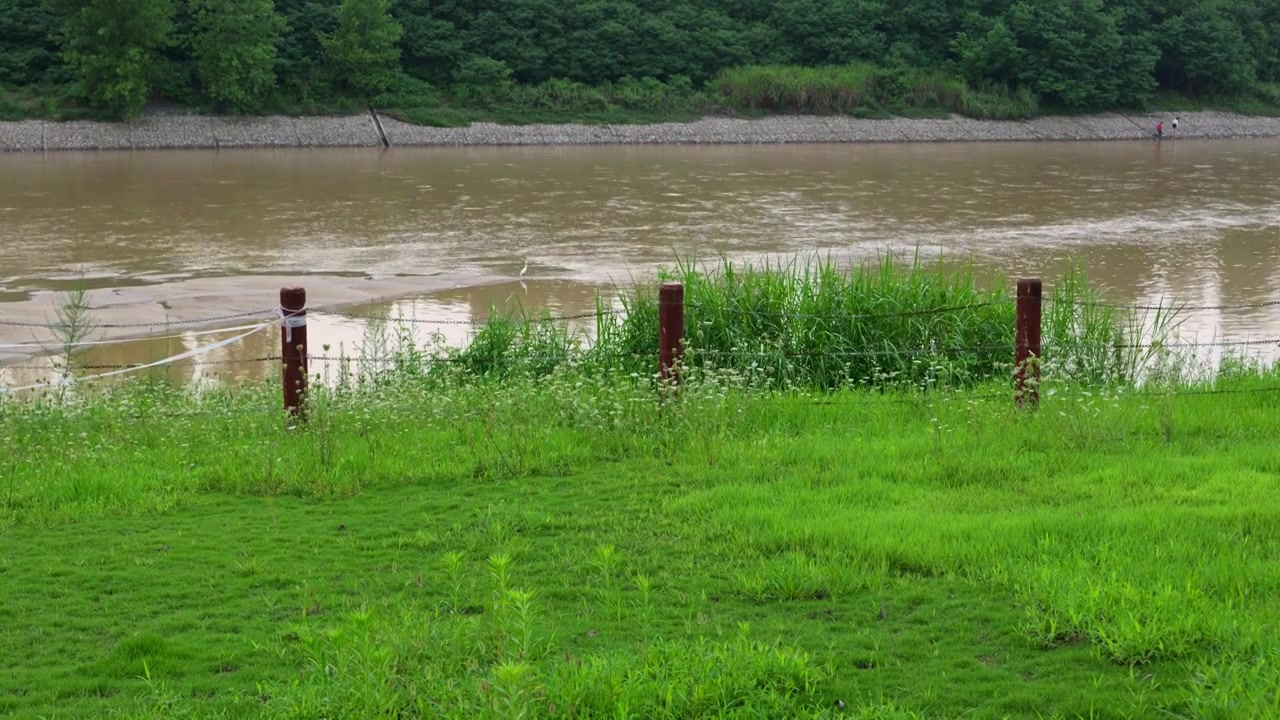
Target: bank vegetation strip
(178,131)
(451,61)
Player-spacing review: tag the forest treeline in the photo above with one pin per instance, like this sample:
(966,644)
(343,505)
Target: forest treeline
(989,58)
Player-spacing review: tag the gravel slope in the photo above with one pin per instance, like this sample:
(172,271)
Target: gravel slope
(159,131)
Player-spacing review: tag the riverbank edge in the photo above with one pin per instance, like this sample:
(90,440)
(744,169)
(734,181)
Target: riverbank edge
(182,131)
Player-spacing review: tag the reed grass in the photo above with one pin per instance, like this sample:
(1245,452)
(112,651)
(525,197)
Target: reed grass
(869,90)
(811,323)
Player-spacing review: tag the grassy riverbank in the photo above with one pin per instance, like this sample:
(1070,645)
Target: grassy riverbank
(731,551)
(529,527)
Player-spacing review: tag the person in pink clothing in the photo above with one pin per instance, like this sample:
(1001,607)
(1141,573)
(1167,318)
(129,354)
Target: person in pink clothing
(1160,130)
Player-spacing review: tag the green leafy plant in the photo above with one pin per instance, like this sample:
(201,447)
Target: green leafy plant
(234,50)
(363,49)
(113,45)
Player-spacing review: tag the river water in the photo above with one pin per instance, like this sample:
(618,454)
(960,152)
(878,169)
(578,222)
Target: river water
(441,234)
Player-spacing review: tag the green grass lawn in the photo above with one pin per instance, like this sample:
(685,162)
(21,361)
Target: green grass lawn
(572,547)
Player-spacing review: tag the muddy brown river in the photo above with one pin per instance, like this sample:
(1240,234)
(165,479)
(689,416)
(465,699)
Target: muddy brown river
(442,234)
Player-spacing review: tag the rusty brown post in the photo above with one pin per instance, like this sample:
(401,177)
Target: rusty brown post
(1027,353)
(293,348)
(670,331)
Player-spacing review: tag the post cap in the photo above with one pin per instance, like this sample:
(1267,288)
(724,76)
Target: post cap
(293,298)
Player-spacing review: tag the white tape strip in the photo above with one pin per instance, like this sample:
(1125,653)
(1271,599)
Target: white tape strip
(175,358)
(289,322)
(144,338)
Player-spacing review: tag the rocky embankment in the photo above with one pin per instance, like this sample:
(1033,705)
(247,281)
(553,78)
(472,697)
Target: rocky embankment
(159,131)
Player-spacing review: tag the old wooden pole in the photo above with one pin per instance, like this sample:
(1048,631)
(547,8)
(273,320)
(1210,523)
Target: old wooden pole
(293,348)
(1027,354)
(670,332)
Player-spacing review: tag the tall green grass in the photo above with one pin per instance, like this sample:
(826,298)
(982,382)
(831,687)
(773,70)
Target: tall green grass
(813,324)
(803,324)
(868,90)
(485,90)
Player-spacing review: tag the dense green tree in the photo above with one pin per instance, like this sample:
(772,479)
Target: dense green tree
(363,49)
(1206,51)
(919,31)
(831,32)
(990,56)
(1135,67)
(524,34)
(702,41)
(1073,53)
(1088,54)
(609,39)
(484,81)
(432,46)
(1269,57)
(28,51)
(302,69)
(234,50)
(113,45)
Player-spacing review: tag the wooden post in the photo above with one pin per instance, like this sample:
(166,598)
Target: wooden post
(293,348)
(670,331)
(1027,353)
